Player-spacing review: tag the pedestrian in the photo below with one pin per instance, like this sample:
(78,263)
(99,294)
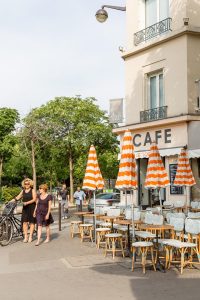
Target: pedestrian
(79,197)
(28,196)
(42,213)
(64,198)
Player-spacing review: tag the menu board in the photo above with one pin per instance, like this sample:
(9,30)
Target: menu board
(174,190)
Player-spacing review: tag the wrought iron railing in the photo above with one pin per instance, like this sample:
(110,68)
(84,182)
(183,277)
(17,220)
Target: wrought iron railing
(152,31)
(153,114)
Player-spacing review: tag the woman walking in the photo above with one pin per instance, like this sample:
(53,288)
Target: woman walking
(28,197)
(42,213)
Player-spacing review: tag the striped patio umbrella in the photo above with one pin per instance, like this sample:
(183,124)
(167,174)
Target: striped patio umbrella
(184,176)
(156,176)
(93,179)
(127,179)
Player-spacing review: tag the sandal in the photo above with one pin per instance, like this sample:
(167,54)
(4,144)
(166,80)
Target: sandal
(37,244)
(25,241)
(46,241)
(30,240)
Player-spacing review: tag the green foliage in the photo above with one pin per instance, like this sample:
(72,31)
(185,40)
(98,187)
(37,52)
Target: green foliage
(8,118)
(62,129)
(9,193)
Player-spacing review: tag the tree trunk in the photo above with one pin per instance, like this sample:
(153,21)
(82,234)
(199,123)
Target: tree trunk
(33,164)
(1,169)
(71,177)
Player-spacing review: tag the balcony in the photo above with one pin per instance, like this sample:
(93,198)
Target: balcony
(152,31)
(157,113)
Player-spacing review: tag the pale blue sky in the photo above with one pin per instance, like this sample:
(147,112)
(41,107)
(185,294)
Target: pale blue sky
(52,48)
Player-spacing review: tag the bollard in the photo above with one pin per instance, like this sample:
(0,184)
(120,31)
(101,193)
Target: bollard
(59,215)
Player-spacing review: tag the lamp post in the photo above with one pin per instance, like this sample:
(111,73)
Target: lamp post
(102,15)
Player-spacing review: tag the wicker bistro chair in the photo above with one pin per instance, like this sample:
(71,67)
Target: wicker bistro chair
(153,219)
(192,229)
(178,231)
(190,247)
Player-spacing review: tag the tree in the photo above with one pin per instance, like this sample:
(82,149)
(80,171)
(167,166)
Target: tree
(8,119)
(72,125)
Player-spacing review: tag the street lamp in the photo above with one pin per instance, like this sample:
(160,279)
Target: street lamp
(102,15)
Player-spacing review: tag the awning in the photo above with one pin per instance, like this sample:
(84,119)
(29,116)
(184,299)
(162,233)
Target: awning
(168,152)
(194,153)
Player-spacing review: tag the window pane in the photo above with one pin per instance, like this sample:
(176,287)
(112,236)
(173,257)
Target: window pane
(151,12)
(163,9)
(161,95)
(153,94)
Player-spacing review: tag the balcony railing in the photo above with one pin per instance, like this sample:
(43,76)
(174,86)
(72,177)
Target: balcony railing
(153,114)
(152,31)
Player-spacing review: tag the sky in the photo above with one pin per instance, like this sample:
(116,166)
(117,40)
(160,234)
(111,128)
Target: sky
(57,48)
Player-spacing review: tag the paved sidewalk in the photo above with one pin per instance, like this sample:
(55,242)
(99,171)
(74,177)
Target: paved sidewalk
(68,269)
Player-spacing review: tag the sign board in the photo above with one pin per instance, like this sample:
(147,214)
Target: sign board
(174,190)
(116,110)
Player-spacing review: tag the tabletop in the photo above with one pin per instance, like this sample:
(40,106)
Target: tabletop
(127,222)
(110,217)
(93,215)
(156,227)
(81,213)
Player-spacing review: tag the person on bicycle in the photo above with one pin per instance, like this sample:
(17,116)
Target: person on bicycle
(28,196)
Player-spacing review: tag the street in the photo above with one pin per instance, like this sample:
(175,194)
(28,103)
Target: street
(66,268)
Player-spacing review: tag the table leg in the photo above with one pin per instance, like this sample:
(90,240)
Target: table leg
(160,267)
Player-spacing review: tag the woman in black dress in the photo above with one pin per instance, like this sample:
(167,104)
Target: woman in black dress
(43,212)
(28,197)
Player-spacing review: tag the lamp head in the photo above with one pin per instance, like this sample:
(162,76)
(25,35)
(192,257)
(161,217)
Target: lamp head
(101,15)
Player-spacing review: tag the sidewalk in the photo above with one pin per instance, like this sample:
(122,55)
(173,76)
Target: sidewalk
(68,269)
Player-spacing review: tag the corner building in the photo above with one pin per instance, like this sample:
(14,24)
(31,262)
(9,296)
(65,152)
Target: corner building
(162,78)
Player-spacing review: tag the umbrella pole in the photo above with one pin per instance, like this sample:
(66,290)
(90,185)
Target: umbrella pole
(94,195)
(159,194)
(126,198)
(132,213)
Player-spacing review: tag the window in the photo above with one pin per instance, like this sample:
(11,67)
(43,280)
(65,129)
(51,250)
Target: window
(155,90)
(156,11)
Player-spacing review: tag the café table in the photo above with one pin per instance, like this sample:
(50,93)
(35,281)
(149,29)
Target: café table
(81,214)
(157,229)
(111,219)
(195,209)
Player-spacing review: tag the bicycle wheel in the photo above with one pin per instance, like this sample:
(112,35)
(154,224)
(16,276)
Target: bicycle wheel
(6,232)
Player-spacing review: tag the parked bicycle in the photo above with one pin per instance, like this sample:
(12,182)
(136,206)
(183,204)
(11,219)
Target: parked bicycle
(10,225)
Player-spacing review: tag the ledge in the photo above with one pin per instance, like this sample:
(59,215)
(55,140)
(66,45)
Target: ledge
(186,30)
(157,123)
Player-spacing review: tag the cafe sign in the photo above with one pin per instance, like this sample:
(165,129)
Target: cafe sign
(165,137)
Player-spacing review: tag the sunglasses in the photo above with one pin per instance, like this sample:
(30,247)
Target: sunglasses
(26,183)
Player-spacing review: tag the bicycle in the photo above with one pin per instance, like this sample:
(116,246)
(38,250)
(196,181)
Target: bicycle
(10,226)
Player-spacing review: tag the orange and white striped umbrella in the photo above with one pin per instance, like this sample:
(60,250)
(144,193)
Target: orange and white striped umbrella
(93,179)
(184,176)
(126,178)
(156,176)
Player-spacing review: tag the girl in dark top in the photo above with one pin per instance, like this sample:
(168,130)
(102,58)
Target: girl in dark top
(28,197)
(43,212)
